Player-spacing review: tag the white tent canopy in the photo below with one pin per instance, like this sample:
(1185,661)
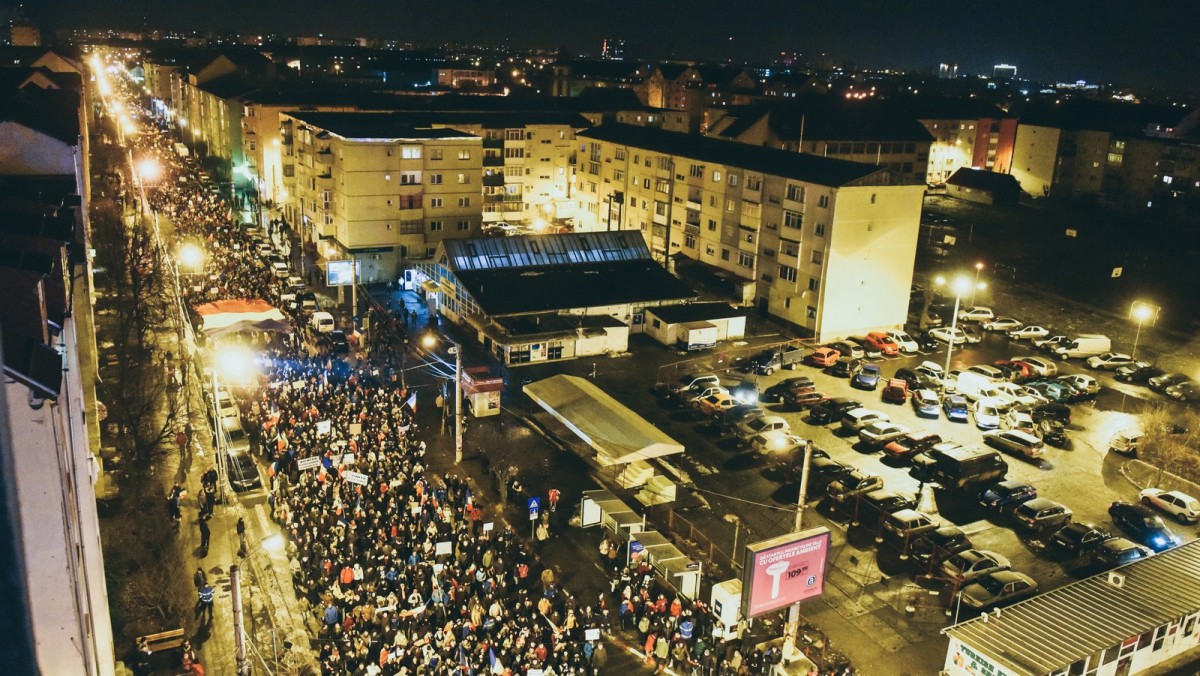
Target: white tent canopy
(618,435)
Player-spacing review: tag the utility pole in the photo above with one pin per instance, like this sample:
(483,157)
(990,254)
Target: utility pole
(793,621)
(239,629)
(458,415)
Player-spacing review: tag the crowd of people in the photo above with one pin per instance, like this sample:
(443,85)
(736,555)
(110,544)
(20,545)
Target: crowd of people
(407,571)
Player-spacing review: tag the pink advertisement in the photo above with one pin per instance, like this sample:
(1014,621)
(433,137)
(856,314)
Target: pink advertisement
(784,570)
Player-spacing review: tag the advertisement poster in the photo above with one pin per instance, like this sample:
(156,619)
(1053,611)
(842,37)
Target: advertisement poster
(784,570)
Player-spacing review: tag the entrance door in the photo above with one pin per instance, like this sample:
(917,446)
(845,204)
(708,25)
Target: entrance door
(763,304)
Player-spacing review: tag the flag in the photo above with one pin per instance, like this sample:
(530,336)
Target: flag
(412,402)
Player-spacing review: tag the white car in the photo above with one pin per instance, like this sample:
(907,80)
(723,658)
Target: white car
(905,341)
(943,333)
(775,441)
(988,411)
(1002,324)
(1019,420)
(767,423)
(1012,392)
(859,418)
(1029,333)
(694,397)
(1016,441)
(1040,366)
(1182,506)
(881,433)
(1109,361)
(977,313)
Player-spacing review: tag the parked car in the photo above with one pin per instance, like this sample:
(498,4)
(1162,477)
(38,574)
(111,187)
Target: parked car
(1182,506)
(956,408)
(997,589)
(872,507)
(1003,324)
(694,381)
(879,434)
(1006,495)
(1119,551)
(1079,538)
(977,313)
(717,403)
(845,367)
(1051,411)
(1013,393)
(338,342)
(896,391)
(693,397)
(832,410)
(1138,373)
(1109,361)
(946,335)
(915,379)
(926,341)
(766,423)
(1013,371)
(1186,391)
(988,411)
(776,392)
(1051,342)
(771,360)
(1053,432)
(911,444)
(1161,383)
(776,442)
(1041,515)
(1032,332)
(904,341)
(867,377)
(1055,391)
(926,404)
(1016,441)
(823,357)
(243,471)
(1143,525)
(883,342)
(799,399)
(1084,384)
(849,348)
(939,544)
(856,419)
(1126,441)
(852,484)
(970,564)
(903,526)
(822,472)
(972,333)
(1039,366)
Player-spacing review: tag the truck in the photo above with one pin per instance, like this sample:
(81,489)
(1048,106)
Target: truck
(696,335)
(1085,345)
(771,360)
(957,467)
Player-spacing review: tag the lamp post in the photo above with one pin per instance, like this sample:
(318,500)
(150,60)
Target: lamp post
(959,286)
(793,620)
(1140,312)
(271,543)
(456,350)
(978,269)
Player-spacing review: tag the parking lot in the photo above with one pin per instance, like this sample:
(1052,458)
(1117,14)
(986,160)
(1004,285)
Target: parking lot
(1082,475)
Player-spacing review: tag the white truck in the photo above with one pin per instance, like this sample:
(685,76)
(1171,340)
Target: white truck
(1085,345)
(696,335)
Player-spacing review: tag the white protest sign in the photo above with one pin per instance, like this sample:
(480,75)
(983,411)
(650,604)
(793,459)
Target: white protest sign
(310,462)
(323,427)
(355,478)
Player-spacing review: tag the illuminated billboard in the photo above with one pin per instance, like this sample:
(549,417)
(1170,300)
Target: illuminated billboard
(339,273)
(784,570)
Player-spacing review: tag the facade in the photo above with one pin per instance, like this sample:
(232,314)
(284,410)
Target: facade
(369,188)
(983,187)
(1132,157)
(966,135)
(802,235)
(49,413)
(1125,621)
(459,77)
(548,297)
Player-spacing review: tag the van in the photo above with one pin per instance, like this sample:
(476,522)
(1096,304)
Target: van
(1085,345)
(321,322)
(971,384)
(1126,442)
(769,361)
(959,467)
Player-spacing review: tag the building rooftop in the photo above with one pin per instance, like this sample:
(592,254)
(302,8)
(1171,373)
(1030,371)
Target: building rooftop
(981,179)
(1050,631)
(359,125)
(696,312)
(535,251)
(801,167)
(1111,116)
(826,118)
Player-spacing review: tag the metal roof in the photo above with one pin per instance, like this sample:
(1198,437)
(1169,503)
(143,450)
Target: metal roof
(533,251)
(1053,630)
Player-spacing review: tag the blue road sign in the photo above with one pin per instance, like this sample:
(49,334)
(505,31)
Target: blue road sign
(635,546)
(535,503)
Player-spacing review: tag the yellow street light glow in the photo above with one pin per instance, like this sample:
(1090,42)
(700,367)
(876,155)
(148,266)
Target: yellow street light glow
(979,265)
(149,170)
(539,224)
(191,256)
(273,543)
(1142,312)
(234,363)
(429,341)
(183,123)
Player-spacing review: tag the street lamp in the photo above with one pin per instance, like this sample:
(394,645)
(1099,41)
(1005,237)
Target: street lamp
(430,341)
(272,543)
(1141,312)
(959,286)
(149,171)
(191,256)
(978,269)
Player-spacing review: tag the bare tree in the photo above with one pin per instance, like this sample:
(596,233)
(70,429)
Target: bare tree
(1169,440)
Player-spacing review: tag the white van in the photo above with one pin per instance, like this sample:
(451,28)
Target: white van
(971,384)
(322,322)
(1126,442)
(1085,345)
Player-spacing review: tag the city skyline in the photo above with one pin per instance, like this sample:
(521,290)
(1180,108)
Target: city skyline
(1106,45)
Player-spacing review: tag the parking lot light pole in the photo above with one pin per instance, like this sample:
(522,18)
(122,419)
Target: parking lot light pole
(455,350)
(791,629)
(959,286)
(978,269)
(1141,313)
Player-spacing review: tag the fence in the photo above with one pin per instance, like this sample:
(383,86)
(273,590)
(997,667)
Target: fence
(722,359)
(692,540)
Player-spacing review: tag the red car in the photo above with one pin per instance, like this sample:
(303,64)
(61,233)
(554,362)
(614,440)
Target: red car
(1015,370)
(896,391)
(883,342)
(824,357)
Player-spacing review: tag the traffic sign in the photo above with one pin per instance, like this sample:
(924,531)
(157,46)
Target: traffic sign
(535,503)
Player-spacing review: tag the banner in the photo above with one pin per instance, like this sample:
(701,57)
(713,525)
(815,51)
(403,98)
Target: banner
(311,462)
(355,478)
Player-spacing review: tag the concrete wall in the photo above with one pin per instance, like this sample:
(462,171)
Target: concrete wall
(1035,154)
(27,152)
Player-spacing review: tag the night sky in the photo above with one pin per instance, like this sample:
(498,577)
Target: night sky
(1152,42)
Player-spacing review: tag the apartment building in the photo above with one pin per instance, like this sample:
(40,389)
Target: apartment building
(52,472)
(824,244)
(1133,157)
(370,188)
(965,135)
(870,132)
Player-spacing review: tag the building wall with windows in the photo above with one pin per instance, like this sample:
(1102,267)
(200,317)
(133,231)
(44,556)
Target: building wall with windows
(981,143)
(792,236)
(380,193)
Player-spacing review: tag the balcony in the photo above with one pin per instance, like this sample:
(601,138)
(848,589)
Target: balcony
(493,180)
(693,218)
(493,199)
(493,161)
(493,143)
(324,157)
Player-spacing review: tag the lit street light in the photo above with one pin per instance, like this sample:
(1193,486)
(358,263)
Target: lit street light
(149,170)
(959,286)
(191,256)
(978,269)
(1141,313)
(431,341)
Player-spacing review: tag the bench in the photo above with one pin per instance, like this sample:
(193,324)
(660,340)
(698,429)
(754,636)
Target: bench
(164,640)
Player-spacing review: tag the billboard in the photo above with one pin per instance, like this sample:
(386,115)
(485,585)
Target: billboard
(339,273)
(784,570)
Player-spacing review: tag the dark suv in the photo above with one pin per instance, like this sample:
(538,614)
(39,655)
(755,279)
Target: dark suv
(1006,495)
(1079,538)
(1040,515)
(875,505)
(939,544)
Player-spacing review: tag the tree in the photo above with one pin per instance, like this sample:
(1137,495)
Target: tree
(1169,439)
